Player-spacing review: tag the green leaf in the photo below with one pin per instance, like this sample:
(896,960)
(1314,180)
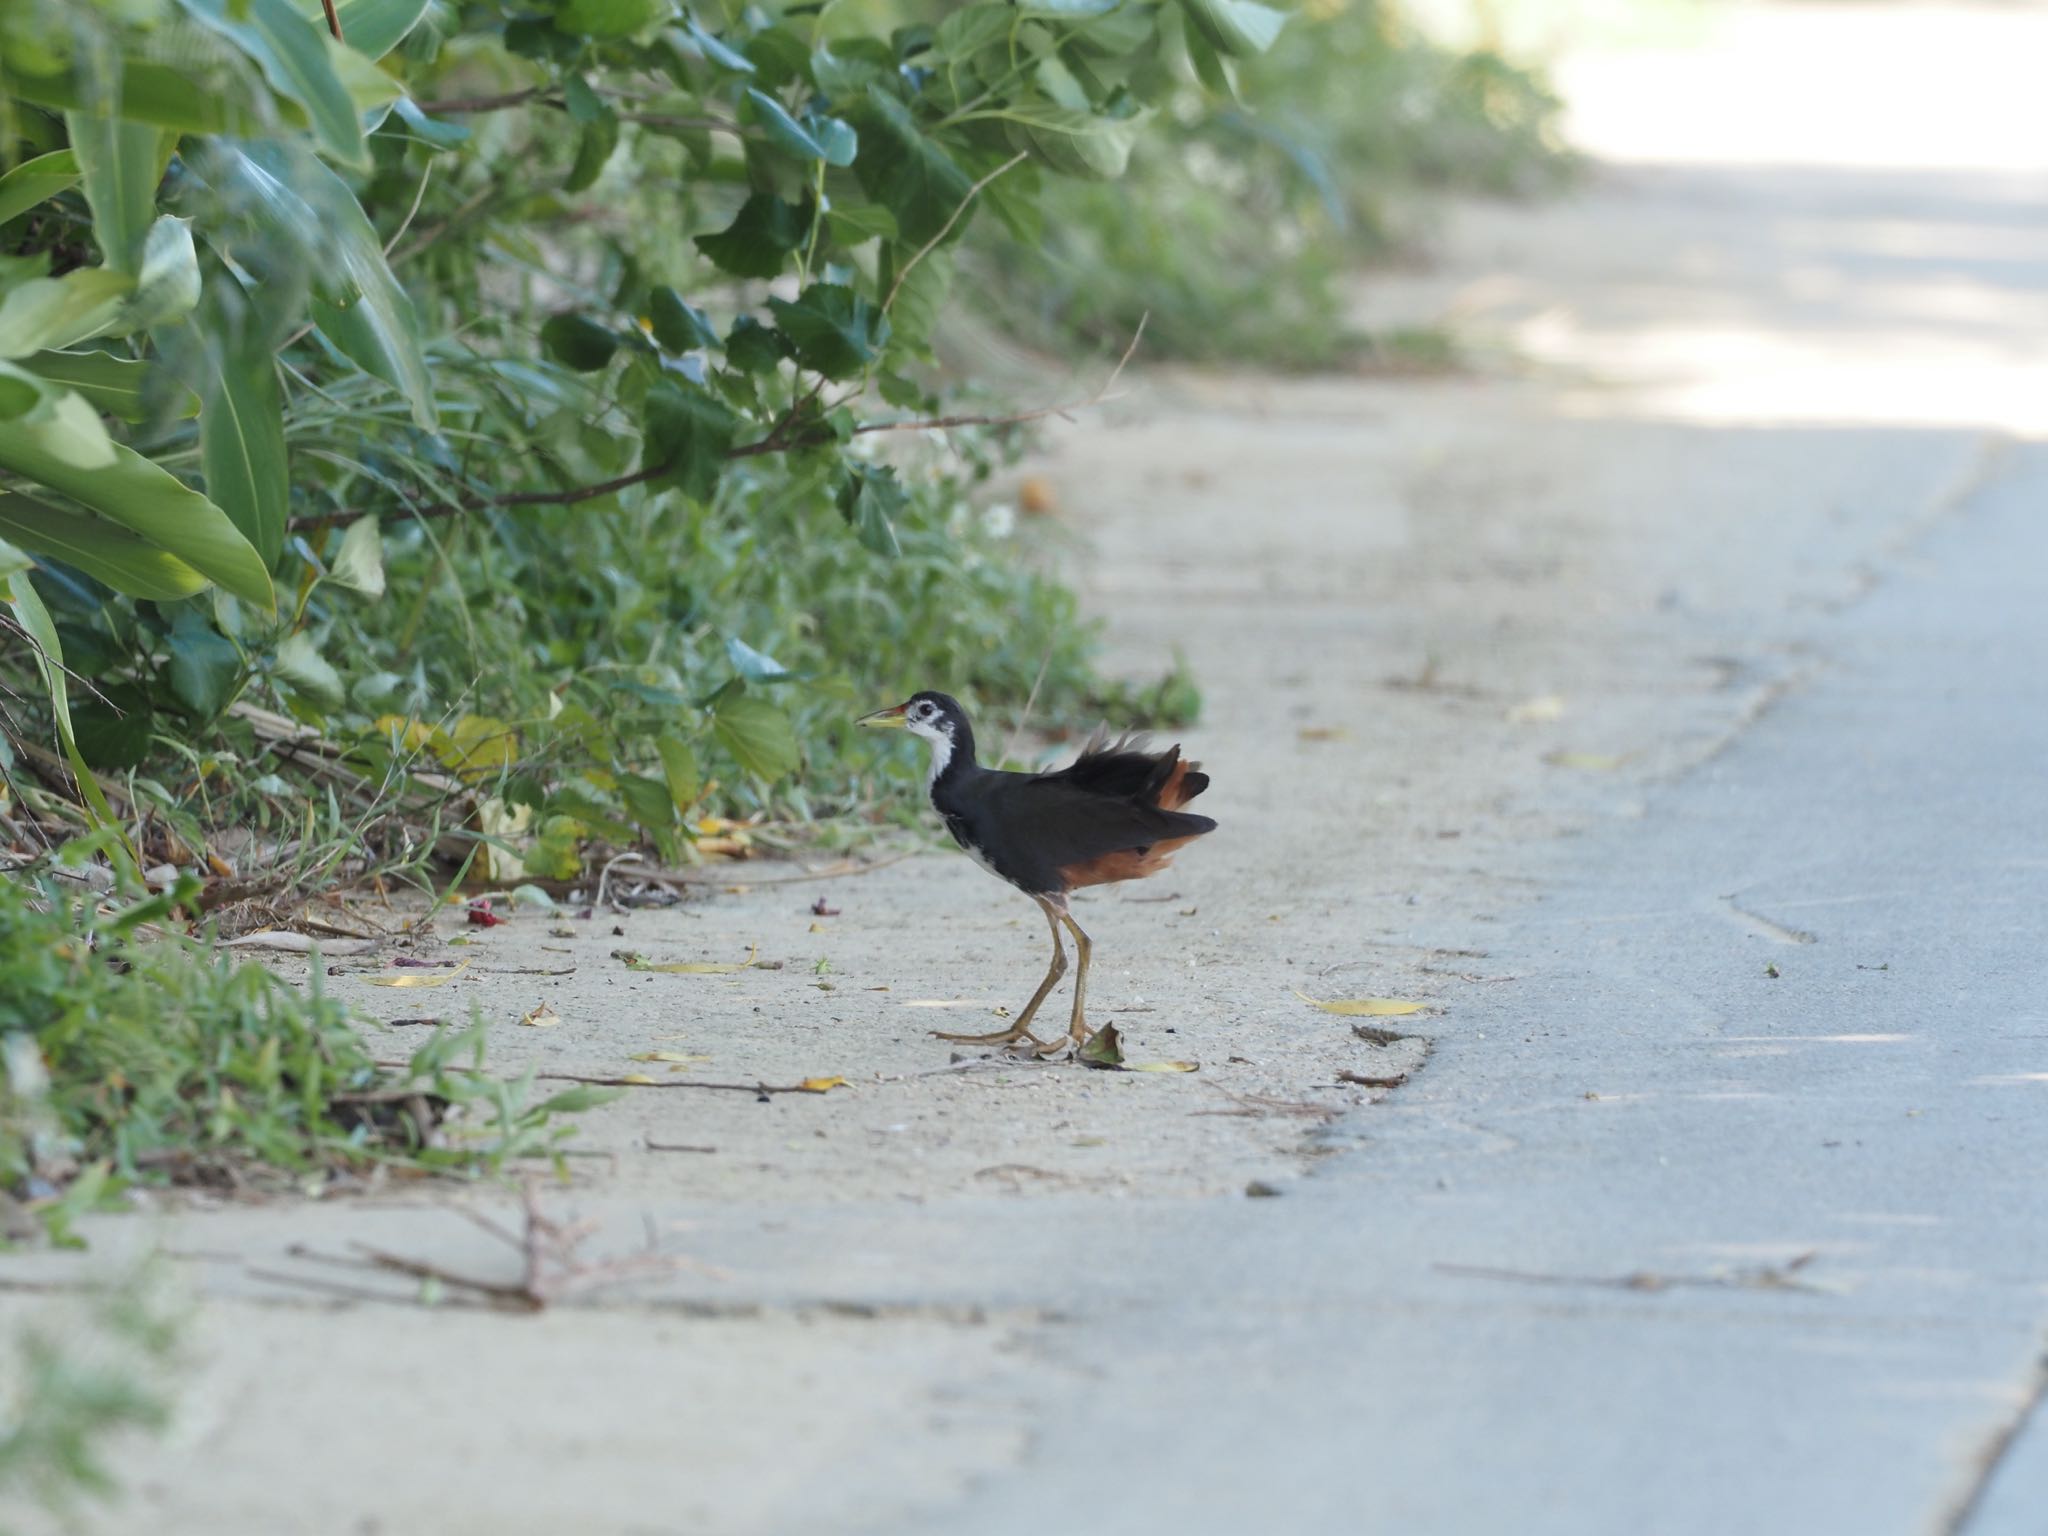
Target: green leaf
(1102,1049)
(205,667)
(49,312)
(436,134)
(647,801)
(360,307)
(241,425)
(104,551)
(373,27)
(678,327)
(757,734)
(121,163)
(579,342)
(815,138)
(861,222)
(753,347)
(117,386)
(34,619)
(1075,143)
(691,431)
(112,725)
(307,673)
(358,563)
(728,59)
(608,18)
(869,501)
(1237,29)
(594,145)
(292,53)
(167,283)
(835,330)
(914,312)
(158,95)
(904,170)
(11,561)
(152,502)
(52,420)
(35,181)
(972,28)
(679,769)
(759,239)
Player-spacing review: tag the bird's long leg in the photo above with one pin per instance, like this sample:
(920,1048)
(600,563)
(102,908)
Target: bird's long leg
(1021,1030)
(1078,1026)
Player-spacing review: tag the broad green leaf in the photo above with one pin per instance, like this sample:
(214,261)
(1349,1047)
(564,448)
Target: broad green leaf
(815,138)
(372,93)
(914,312)
(37,180)
(372,27)
(291,50)
(52,420)
(678,327)
(307,673)
(757,734)
(205,666)
(117,386)
(860,222)
(870,501)
(113,724)
(151,501)
(1237,29)
(579,342)
(972,28)
(904,170)
(835,330)
(158,95)
(241,425)
(11,559)
(759,239)
(104,551)
(358,562)
(690,431)
(608,18)
(1068,10)
(1074,143)
(433,132)
(359,304)
(49,312)
(594,146)
(679,769)
(121,162)
(755,666)
(647,801)
(753,347)
(167,286)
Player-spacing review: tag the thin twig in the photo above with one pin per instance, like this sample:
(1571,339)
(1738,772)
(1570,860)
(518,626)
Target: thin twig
(936,423)
(410,213)
(333,20)
(1024,719)
(459,106)
(946,228)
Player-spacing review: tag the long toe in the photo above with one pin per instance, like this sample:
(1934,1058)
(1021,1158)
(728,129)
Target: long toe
(1001,1037)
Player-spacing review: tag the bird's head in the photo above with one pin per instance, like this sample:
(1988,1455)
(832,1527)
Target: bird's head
(937,717)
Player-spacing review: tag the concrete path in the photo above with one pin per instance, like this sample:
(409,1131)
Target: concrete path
(1667,712)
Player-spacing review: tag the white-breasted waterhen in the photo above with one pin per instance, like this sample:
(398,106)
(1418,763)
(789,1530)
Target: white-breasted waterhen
(1112,814)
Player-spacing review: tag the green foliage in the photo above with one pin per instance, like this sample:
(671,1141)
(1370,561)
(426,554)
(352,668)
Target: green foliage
(126,1058)
(481,298)
(1264,183)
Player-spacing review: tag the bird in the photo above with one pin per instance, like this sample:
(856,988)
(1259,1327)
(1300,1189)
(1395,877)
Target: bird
(1114,813)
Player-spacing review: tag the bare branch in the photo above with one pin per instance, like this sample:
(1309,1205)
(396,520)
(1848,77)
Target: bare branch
(947,228)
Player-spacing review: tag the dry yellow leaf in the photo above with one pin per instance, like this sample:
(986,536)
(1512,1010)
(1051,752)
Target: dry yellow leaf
(1162,1066)
(699,967)
(683,1058)
(542,1017)
(411,980)
(821,1084)
(1376,1007)
(1323,733)
(638,1079)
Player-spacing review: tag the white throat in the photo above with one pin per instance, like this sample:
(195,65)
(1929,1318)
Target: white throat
(942,754)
